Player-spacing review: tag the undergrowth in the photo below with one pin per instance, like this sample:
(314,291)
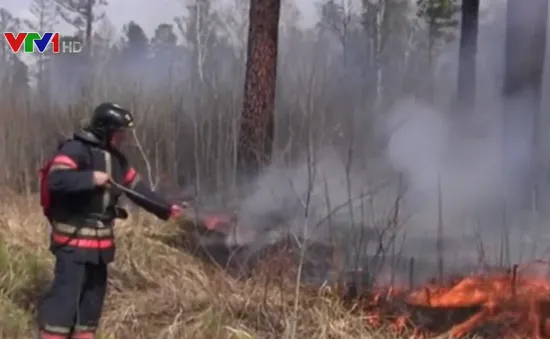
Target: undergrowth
(157,291)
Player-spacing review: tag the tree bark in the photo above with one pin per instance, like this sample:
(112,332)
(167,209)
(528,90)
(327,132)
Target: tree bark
(526,26)
(257,119)
(466,90)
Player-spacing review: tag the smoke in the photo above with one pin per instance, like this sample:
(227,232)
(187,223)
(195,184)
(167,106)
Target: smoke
(467,169)
(452,172)
(300,199)
(334,192)
(464,176)
(460,182)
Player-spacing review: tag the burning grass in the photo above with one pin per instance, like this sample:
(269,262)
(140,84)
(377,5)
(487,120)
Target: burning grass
(492,305)
(157,291)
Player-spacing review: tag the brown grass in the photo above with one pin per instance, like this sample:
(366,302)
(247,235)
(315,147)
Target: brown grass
(157,291)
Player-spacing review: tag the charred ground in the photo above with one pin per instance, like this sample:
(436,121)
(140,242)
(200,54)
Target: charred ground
(158,289)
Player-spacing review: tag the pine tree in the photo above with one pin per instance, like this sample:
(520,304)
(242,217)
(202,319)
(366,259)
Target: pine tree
(45,18)
(467,60)
(441,19)
(82,14)
(257,119)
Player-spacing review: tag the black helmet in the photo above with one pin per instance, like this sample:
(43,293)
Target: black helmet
(110,117)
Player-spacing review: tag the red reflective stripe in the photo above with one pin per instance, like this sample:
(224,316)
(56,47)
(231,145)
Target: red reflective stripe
(46,335)
(83,335)
(64,160)
(130,176)
(83,243)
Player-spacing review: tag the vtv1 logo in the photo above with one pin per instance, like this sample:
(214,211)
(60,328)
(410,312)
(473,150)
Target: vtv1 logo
(31,42)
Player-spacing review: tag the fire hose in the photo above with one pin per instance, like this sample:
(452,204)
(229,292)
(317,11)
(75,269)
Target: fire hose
(135,195)
(189,214)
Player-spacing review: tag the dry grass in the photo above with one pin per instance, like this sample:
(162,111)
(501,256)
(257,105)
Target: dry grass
(157,291)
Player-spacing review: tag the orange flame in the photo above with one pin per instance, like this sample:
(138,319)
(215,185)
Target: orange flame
(517,305)
(215,222)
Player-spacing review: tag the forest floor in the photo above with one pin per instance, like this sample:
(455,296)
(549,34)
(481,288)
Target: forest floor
(159,292)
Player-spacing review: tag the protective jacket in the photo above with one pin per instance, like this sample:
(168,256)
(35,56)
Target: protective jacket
(82,215)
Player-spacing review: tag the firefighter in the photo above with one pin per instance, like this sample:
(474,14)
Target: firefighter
(81,208)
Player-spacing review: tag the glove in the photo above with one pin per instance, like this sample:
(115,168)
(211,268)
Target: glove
(175,211)
(115,212)
(121,213)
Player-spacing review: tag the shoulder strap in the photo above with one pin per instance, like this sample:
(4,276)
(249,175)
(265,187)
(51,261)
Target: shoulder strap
(62,143)
(87,146)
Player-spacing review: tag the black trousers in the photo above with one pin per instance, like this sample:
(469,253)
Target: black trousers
(75,300)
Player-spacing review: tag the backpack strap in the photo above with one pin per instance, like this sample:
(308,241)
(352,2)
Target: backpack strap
(87,146)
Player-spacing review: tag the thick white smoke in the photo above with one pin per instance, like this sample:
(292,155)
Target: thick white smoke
(434,154)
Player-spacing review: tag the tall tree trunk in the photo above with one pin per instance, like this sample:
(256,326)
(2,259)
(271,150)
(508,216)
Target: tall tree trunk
(89,27)
(466,90)
(526,27)
(257,120)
